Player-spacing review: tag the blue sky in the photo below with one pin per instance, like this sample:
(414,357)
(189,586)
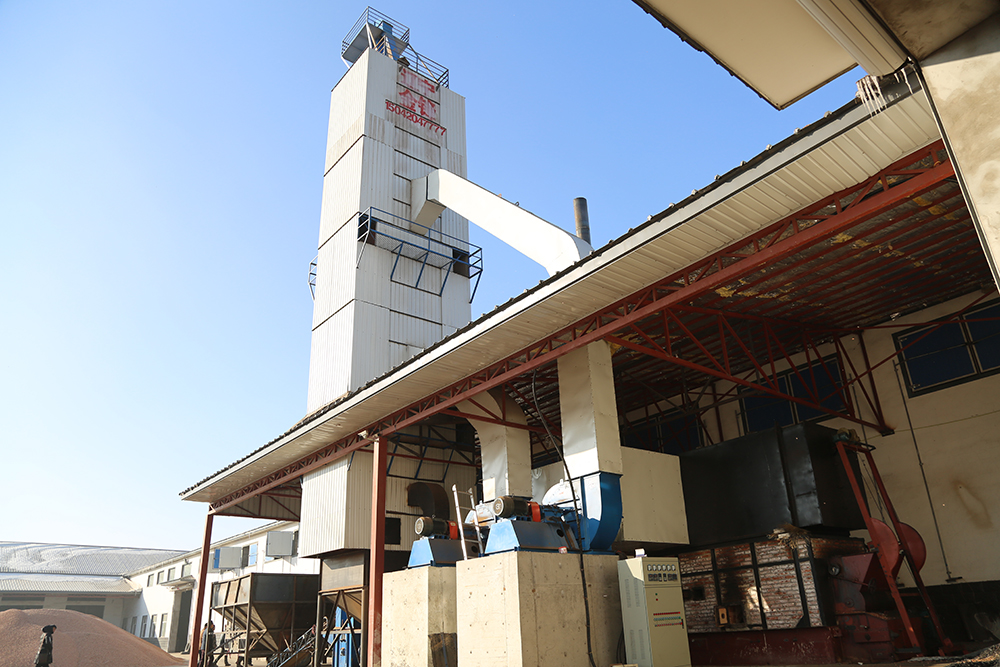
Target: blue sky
(160,179)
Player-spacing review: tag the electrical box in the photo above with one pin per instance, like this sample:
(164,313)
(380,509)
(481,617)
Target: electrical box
(279,544)
(228,558)
(653,612)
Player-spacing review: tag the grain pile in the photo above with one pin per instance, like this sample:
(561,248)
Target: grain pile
(80,640)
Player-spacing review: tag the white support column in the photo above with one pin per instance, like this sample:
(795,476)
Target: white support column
(963,78)
(589,412)
(506,450)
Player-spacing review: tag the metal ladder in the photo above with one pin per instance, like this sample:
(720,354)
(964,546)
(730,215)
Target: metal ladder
(460,516)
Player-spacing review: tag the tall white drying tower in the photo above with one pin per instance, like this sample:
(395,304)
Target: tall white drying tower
(385,288)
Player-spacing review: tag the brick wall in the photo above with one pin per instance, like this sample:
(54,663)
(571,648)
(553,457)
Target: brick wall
(790,594)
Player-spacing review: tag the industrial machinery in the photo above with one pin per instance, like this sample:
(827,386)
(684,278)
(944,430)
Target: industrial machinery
(524,525)
(263,613)
(653,612)
(773,564)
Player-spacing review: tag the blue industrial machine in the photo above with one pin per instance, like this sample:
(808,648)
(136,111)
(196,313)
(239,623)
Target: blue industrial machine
(524,525)
(440,542)
(588,522)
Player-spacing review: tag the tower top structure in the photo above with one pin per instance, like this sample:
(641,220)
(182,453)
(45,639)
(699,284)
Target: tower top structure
(375,30)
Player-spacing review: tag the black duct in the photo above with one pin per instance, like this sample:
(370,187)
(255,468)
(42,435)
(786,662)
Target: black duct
(431,498)
(748,487)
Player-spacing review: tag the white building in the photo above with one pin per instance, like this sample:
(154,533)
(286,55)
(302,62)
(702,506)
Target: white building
(161,612)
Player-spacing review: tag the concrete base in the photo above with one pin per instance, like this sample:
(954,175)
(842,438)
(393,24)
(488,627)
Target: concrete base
(525,609)
(418,618)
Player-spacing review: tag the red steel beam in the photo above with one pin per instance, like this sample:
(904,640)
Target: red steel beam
(206,549)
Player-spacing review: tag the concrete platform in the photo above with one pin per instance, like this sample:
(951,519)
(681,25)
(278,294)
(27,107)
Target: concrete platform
(524,609)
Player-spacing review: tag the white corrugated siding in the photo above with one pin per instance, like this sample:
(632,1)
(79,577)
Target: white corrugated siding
(330,358)
(413,330)
(371,343)
(324,509)
(336,276)
(453,120)
(412,145)
(359,496)
(376,179)
(409,301)
(374,264)
(347,113)
(341,192)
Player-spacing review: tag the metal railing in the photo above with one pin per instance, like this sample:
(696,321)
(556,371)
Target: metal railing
(376,18)
(427,246)
(312,276)
(409,57)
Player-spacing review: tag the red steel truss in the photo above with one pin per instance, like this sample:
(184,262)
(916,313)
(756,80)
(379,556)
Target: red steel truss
(651,321)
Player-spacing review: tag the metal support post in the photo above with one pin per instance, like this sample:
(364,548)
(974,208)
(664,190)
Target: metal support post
(377,560)
(206,549)
(904,549)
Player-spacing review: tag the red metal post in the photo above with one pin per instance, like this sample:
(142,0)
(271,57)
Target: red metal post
(376,564)
(206,550)
(947,646)
(883,558)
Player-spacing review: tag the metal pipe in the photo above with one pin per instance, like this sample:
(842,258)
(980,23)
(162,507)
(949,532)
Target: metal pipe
(376,563)
(582,218)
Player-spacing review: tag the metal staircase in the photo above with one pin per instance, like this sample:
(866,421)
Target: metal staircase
(297,652)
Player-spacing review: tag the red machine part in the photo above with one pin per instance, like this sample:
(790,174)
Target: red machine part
(886,541)
(453,533)
(536,511)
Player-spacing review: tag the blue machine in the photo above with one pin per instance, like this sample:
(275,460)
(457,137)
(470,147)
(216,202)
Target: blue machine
(440,543)
(346,649)
(524,525)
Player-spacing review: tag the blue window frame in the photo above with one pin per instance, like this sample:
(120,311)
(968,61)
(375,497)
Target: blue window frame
(763,411)
(938,356)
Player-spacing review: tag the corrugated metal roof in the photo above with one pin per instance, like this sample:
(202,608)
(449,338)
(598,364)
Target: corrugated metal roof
(826,157)
(38,558)
(65,583)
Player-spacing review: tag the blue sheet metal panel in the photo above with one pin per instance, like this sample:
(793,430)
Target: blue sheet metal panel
(509,535)
(436,552)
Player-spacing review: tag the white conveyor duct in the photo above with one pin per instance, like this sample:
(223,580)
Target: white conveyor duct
(540,240)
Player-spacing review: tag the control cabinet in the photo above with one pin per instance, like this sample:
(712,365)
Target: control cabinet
(653,612)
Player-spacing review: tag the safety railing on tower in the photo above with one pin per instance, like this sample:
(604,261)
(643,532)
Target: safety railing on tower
(375,30)
(429,248)
(406,55)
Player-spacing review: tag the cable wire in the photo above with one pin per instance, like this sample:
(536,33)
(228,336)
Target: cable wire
(576,511)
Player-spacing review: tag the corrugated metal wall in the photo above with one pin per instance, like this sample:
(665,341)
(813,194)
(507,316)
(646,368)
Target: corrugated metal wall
(359,496)
(388,126)
(324,508)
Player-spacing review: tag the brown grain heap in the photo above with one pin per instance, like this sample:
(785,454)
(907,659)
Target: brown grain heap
(80,640)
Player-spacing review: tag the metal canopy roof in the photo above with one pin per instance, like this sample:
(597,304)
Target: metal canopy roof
(773,46)
(912,244)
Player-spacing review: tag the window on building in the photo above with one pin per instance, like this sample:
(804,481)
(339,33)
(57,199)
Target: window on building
(163,625)
(152,626)
(763,411)
(250,555)
(170,574)
(132,627)
(935,357)
(186,568)
(672,432)
(149,579)
(159,576)
(142,630)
